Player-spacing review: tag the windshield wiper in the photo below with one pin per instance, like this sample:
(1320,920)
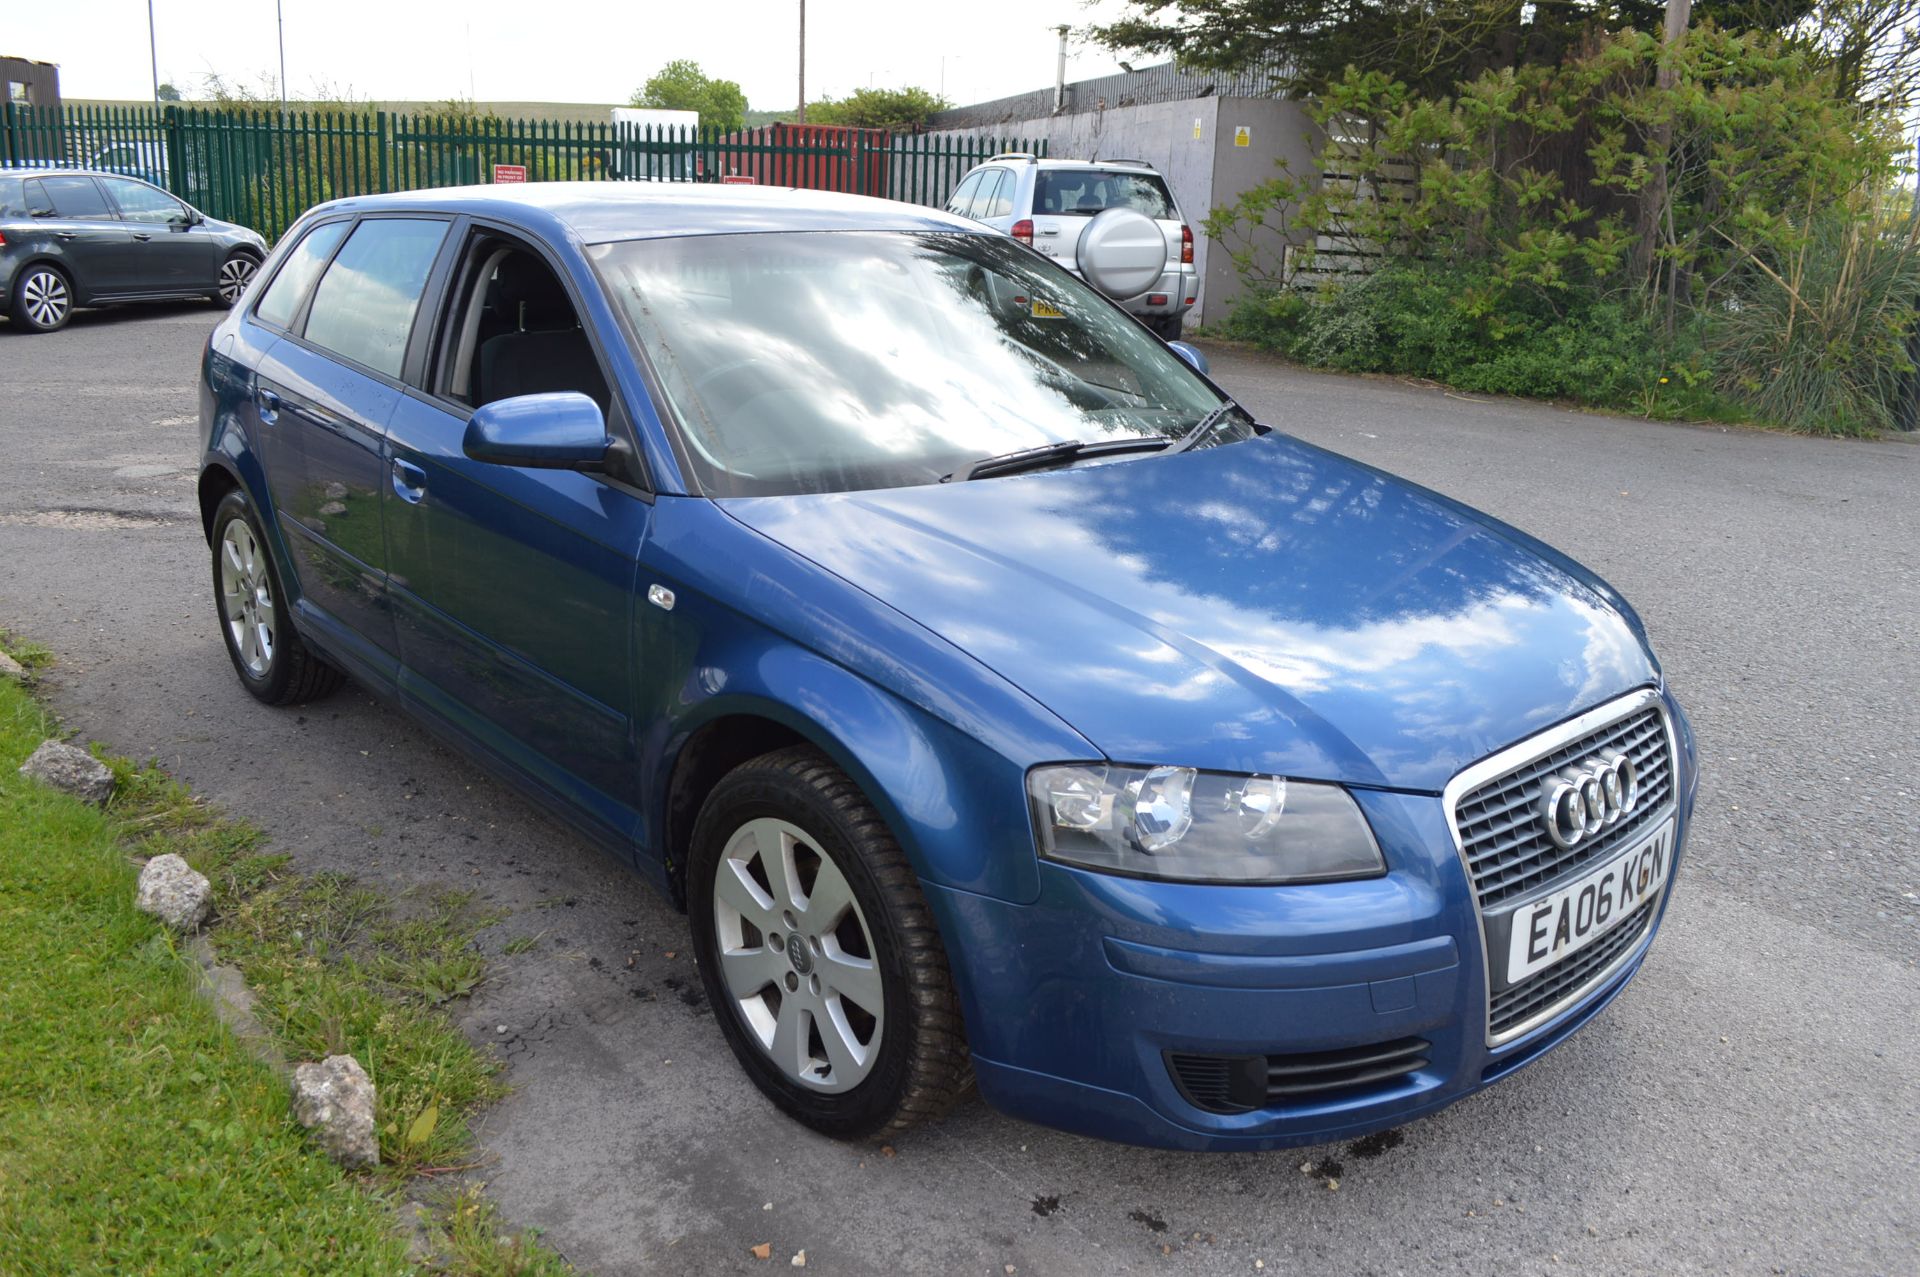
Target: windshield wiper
(1050,454)
(1206,426)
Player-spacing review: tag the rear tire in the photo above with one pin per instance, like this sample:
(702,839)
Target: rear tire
(42,298)
(825,971)
(255,618)
(1170,326)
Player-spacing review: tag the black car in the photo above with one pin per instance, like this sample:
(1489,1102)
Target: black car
(69,237)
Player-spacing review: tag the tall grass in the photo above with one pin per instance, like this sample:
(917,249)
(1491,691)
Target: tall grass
(1815,337)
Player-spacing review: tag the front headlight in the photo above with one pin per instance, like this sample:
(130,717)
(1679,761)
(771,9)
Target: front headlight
(1181,824)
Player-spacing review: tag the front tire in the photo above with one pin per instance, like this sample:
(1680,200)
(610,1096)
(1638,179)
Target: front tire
(818,952)
(42,299)
(235,274)
(255,618)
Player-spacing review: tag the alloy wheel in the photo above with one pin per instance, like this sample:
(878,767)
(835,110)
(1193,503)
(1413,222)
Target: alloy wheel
(235,274)
(797,957)
(246,598)
(45,296)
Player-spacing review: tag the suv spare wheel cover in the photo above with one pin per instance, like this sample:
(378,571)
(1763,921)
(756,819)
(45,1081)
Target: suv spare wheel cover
(1122,253)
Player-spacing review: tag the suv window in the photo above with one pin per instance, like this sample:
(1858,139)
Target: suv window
(74,198)
(283,297)
(364,305)
(13,203)
(1072,191)
(962,198)
(142,203)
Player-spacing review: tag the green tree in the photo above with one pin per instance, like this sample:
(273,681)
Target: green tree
(1427,45)
(682,86)
(166,92)
(901,110)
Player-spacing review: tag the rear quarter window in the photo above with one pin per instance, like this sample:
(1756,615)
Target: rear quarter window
(1088,191)
(13,202)
(289,287)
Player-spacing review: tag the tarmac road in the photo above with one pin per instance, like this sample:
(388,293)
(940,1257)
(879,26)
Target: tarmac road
(1751,1104)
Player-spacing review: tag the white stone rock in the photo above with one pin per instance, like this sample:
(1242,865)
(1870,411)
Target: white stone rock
(69,768)
(10,668)
(334,1099)
(173,892)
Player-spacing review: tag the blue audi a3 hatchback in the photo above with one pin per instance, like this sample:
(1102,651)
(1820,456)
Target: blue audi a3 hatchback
(1006,706)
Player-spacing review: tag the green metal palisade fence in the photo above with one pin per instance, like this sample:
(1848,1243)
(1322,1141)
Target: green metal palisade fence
(263,168)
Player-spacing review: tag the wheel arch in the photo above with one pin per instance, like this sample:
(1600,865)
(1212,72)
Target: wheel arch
(956,807)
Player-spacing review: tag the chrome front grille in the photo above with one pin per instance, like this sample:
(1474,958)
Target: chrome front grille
(1503,836)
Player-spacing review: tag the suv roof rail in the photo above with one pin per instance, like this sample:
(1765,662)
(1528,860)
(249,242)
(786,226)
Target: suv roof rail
(1012,155)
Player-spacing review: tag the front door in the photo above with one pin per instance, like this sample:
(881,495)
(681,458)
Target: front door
(169,253)
(512,587)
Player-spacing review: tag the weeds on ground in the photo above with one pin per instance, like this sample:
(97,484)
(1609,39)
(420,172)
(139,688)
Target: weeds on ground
(135,1131)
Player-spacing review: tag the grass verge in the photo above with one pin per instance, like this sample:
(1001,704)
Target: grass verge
(137,1134)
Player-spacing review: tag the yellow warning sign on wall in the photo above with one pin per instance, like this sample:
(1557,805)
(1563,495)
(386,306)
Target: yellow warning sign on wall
(1196,129)
(1242,135)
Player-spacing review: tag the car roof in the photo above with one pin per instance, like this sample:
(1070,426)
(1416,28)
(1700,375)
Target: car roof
(603,212)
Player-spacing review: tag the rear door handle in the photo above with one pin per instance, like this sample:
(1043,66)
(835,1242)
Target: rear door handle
(64,235)
(269,407)
(409,481)
(142,236)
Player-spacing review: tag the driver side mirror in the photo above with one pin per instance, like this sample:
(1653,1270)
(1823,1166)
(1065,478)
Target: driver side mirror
(559,431)
(1191,354)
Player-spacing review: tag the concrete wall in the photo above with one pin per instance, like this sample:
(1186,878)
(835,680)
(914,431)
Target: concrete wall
(1192,143)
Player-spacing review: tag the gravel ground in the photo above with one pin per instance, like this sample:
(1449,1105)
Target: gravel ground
(1750,1105)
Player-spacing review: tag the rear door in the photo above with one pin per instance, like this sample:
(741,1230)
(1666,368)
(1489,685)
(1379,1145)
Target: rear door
(1066,199)
(169,254)
(323,396)
(93,242)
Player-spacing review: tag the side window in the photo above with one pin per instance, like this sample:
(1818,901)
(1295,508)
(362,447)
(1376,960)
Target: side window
(77,199)
(1000,203)
(36,198)
(962,198)
(289,287)
(142,203)
(364,305)
(12,202)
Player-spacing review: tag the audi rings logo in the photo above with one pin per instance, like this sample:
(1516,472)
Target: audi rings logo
(1581,801)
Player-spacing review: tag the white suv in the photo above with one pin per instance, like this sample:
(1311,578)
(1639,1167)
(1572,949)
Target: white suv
(1111,222)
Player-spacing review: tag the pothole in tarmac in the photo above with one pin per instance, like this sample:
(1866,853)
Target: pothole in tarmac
(87,520)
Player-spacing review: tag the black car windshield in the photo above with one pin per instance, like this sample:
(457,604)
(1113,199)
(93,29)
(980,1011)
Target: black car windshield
(835,361)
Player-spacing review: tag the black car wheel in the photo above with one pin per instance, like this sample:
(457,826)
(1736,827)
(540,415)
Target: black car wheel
(42,299)
(255,619)
(235,274)
(1169,326)
(818,952)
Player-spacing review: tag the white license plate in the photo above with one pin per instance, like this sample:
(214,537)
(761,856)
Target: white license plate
(1560,925)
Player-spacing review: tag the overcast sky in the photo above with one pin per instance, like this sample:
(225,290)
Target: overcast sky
(556,50)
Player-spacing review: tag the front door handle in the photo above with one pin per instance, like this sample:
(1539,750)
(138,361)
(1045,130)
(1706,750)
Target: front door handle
(65,235)
(409,481)
(269,407)
(142,236)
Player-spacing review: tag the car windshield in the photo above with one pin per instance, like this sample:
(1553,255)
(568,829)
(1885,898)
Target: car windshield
(834,361)
(1086,191)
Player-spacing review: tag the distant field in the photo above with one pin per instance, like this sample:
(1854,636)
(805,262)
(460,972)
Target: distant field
(576,112)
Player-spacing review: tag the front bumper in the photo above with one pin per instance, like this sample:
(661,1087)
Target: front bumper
(1075,1002)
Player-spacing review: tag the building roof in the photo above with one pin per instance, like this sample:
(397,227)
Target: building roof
(1167,82)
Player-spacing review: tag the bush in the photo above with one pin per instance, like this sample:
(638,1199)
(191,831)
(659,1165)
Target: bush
(1815,338)
(1459,326)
